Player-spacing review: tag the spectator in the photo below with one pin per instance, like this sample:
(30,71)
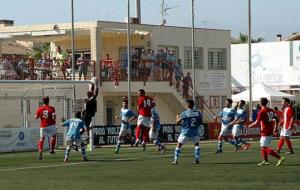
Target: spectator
(143,66)
(22,70)
(158,64)
(135,60)
(171,61)
(108,67)
(164,65)
(14,61)
(178,73)
(62,57)
(8,70)
(45,65)
(152,60)
(186,83)
(30,65)
(82,62)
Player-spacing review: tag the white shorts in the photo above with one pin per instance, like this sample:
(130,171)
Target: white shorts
(153,133)
(73,141)
(236,131)
(184,139)
(225,130)
(124,131)
(48,131)
(265,141)
(144,121)
(285,132)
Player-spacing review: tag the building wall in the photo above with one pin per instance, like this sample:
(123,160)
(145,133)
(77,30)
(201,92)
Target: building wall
(208,82)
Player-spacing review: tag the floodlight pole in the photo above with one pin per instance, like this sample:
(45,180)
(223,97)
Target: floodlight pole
(73,53)
(72,41)
(193,49)
(128,53)
(250,58)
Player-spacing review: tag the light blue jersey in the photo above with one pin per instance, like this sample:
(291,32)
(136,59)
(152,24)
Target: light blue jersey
(228,115)
(125,115)
(155,118)
(74,125)
(241,114)
(191,120)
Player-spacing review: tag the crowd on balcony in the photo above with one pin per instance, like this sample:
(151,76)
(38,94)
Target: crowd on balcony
(14,67)
(148,66)
(145,65)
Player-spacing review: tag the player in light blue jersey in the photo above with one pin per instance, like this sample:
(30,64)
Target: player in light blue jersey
(126,116)
(240,118)
(154,129)
(190,119)
(75,128)
(227,116)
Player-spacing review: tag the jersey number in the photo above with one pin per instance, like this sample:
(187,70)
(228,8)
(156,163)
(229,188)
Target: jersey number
(270,116)
(193,123)
(45,114)
(147,103)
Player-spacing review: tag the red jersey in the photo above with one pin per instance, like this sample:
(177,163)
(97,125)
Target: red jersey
(265,117)
(288,114)
(145,105)
(47,115)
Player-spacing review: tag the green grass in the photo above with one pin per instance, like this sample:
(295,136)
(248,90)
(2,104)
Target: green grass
(133,169)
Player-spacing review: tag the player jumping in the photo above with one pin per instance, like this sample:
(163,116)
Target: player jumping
(144,107)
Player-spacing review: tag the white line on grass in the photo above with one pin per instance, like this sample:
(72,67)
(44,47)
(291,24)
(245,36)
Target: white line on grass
(48,166)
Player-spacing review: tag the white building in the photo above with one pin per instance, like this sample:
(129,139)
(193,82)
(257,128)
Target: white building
(97,38)
(275,63)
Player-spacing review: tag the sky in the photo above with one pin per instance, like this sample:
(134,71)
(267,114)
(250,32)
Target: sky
(269,17)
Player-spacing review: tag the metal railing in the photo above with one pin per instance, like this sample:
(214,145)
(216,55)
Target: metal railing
(47,69)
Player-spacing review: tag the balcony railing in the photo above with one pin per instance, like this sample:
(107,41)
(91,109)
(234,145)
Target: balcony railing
(44,69)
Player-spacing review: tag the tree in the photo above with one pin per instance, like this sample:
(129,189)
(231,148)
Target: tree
(243,38)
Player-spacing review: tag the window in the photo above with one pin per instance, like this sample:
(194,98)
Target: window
(198,57)
(223,98)
(109,113)
(216,58)
(215,101)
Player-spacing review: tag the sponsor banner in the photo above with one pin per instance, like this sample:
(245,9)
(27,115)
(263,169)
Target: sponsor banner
(214,129)
(19,139)
(107,135)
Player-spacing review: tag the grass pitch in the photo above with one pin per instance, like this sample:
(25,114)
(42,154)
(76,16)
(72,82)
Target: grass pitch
(133,169)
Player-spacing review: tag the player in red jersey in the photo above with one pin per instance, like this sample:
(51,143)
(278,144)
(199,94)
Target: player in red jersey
(144,107)
(264,118)
(287,121)
(47,127)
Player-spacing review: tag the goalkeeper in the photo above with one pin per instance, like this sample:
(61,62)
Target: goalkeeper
(75,128)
